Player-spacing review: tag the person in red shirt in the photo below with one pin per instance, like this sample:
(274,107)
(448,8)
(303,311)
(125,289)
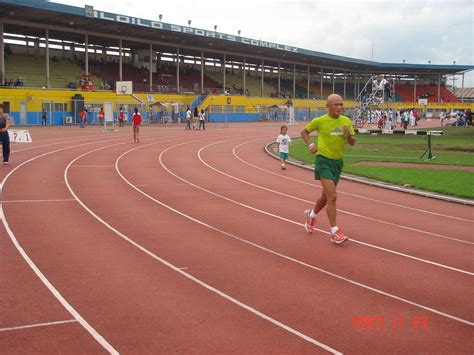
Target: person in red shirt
(83,118)
(137,121)
(101,116)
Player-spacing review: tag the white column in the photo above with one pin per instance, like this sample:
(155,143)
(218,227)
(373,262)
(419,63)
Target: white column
(345,75)
(321,84)
(333,81)
(245,84)
(355,86)
(202,71)
(462,88)
(414,91)
(309,74)
(223,73)
(294,80)
(177,69)
(86,54)
(394,89)
(47,58)
(279,79)
(439,88)
(150,80)
(120,59)
(263,73)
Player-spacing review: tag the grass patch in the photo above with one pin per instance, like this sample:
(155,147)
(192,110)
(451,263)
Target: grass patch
(449,182)
(455,147)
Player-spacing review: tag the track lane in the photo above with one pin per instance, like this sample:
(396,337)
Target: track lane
(403,238)
(103,190)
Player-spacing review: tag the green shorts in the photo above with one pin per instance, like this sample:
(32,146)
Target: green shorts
(325,168)
(284,155)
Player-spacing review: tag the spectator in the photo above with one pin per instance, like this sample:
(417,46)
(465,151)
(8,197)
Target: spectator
(442,117)
(43,118)
(83,118)
(5,122)
(202,120)
(416,116)
(406,119)
(121,117)
(188,118)
(468,117)
(101,116)
(195,117)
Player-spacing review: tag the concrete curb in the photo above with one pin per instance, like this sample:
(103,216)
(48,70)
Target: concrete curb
(270,149)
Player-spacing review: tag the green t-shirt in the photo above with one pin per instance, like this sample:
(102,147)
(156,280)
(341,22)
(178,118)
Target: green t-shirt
(331,140)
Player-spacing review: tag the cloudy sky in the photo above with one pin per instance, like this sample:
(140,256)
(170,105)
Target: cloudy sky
(417,30)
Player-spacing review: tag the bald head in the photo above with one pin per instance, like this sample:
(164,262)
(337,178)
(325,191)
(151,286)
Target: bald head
(334,97)
(335,105)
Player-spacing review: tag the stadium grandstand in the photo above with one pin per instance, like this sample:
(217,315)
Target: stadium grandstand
(61,58)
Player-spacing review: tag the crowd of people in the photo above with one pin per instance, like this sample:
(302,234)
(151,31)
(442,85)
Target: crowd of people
(457,118)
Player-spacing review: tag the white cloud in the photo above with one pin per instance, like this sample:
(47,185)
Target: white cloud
(417,31)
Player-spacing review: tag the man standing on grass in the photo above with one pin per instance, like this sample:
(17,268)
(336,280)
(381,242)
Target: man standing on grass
(334,130)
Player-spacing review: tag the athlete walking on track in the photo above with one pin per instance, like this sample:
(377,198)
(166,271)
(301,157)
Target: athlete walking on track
(137,121)
(334,131)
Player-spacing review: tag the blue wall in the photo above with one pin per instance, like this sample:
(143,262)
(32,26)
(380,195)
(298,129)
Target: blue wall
(234,117)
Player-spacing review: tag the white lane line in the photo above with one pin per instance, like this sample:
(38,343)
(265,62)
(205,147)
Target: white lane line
(312,202)
(99,338)
(346,193)
(178,269)
(92,166)
(401,299)
(38,325)
(31,201)
(301,224)
(82,139)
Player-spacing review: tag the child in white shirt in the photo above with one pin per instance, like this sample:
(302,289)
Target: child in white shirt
(283,141)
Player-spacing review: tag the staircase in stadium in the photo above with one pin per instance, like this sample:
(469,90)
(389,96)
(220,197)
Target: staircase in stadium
(366,105)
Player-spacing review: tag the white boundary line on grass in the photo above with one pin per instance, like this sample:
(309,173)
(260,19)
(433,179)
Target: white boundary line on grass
(387,186)
(344,192)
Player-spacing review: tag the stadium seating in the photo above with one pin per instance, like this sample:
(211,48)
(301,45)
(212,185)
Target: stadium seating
(235,82)
(315,88)
(33,71)
(286,88)
(406,93)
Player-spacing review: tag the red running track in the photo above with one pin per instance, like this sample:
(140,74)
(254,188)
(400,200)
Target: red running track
(192,242)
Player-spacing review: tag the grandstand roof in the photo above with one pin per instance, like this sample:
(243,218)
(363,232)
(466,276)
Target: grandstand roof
(31,17)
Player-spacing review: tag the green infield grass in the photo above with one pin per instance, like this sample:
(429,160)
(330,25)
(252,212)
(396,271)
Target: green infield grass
(455,147)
